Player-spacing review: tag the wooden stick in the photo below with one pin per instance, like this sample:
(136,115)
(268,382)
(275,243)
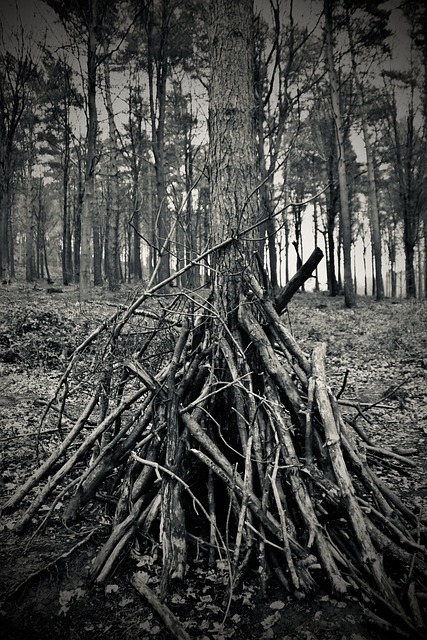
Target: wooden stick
(170,620)
(369,556)
(308,438)
(270,359)
(414,606)
(285,294)
(282,517)
(302,497)
(68,465)
(247,485)
(390,454)
(283,334)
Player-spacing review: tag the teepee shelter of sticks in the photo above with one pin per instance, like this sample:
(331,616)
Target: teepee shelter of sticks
(235,445)
(203,426)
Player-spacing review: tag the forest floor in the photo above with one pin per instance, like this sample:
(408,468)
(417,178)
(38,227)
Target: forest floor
(381,351)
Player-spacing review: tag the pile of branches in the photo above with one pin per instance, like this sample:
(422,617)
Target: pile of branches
(226,441)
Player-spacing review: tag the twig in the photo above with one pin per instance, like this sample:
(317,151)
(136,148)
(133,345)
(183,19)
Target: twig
(343,385)
(380,451)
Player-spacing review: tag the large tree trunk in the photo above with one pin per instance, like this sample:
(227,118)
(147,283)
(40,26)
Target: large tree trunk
(234,206)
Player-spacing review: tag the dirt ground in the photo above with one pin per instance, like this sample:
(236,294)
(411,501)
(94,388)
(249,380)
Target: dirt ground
(379,349)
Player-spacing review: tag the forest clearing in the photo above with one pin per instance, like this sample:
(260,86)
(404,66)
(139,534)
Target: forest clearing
(379,348)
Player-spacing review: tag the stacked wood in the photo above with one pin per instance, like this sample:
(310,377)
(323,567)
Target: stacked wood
(195,434)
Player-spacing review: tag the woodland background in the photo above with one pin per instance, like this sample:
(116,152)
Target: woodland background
(104,135)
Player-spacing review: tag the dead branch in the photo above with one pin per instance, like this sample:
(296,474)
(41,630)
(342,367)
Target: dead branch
(171,622)
(304,272)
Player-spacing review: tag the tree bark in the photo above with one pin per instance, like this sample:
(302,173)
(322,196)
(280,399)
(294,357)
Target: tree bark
(67,257)
(232,144)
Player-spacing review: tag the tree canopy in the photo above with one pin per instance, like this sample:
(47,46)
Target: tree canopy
(127,85)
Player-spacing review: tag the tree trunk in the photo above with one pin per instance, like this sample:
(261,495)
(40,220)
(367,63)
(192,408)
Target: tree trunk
(96,241)
(425,253)
(410,279)
(189,223)
(30,234)
(372,188)
(89,182)
(232,145)
(316,241)
(408,165)
(4,228)
(137,158)
(67,257)
(373,203)
(158,68)
(331,214)
(112,251)
(17,70)
(77,212)
(350,299)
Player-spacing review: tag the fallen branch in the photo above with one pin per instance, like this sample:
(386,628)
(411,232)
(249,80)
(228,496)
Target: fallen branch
(171,622)
(387,453)
(304,272)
